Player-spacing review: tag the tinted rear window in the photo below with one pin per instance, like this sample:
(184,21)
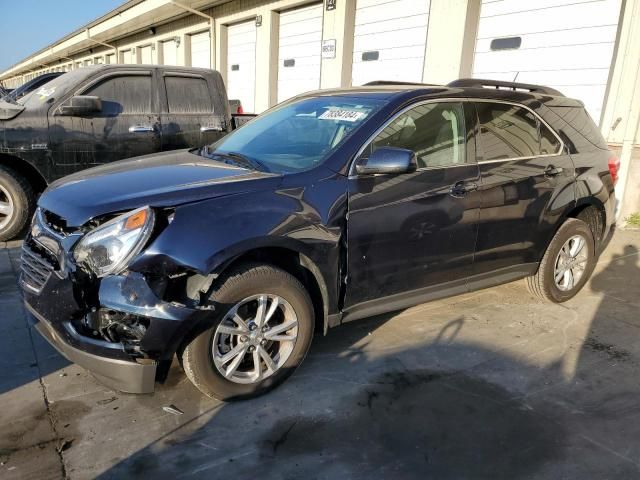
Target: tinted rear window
(188,95)
(581,121)
(507,131)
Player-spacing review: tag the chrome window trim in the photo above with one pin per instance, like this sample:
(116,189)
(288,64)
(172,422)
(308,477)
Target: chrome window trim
(352,173)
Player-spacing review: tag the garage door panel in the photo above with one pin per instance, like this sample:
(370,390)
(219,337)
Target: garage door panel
(302,40)
(502,7)
(583,15)
(570,57)
(201,50)
(241,64)
(299,51)
(396,69)
(126,57)
(303,27)
(389,55)
(305,50)
(395,34)
(558,78)
(377,11)
(145,55)
(169,53)
(389,40)
(552,39)
(392,25)
(565,45)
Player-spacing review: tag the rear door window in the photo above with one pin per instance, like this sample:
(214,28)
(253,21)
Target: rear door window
(123,94)
(507,131)
(188,95)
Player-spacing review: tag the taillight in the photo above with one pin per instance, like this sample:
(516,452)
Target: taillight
(614,168)
(240,110)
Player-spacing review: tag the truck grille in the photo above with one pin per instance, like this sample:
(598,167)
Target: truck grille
(35,268)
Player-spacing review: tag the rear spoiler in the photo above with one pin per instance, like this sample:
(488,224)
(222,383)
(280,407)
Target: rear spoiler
(503,85)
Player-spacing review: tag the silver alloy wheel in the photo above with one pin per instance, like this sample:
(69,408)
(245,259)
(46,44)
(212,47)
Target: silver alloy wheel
(255,338)
(6,207)
(571,263)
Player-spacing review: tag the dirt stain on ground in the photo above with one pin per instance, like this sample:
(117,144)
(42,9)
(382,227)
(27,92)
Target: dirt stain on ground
(417,424)
(613,352)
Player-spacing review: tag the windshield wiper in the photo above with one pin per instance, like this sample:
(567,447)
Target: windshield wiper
(236,158)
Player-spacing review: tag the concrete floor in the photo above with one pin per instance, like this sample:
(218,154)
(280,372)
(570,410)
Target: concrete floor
(492,384)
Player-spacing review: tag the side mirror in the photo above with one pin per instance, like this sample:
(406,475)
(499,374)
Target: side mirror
(81,105)
(388,160)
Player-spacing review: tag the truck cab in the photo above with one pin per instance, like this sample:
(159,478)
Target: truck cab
(100,114)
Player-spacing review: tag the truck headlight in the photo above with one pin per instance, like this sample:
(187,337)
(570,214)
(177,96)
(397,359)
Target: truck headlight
(108,248)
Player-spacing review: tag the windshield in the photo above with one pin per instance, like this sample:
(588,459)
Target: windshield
(298,135)
(27,87)
(52,90)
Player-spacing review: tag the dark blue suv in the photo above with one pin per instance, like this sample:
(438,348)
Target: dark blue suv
(330,207)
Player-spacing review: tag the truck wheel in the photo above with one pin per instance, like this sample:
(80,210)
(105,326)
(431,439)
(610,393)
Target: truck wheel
(260,336)
(17,202)
(567,263)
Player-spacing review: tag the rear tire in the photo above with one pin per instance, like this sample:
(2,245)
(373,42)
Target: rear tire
(567,264)
(17,203)
(209,360)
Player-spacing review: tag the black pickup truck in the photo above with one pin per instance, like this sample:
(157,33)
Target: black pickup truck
(96,115)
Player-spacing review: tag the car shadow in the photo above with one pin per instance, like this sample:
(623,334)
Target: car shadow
(27,356)
(448,407)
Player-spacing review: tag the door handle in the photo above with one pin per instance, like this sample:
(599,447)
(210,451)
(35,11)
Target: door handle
(211,129)
(141,128)
(460,189)
(552,171)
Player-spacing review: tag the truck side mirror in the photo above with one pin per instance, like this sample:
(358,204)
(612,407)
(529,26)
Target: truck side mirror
(80,105)
(388,160)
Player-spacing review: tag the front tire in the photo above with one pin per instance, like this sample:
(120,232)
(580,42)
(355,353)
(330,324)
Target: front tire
(17,202)
(261,334)
(567,264)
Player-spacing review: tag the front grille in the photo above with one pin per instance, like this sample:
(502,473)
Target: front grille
(35,268)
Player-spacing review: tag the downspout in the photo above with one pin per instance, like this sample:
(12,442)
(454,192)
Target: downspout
(212,33)
(631,127)
(113,47)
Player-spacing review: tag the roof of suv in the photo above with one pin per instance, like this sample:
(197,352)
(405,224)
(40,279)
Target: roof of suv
(463,88)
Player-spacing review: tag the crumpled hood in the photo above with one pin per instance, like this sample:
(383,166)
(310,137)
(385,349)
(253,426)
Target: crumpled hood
(159,180)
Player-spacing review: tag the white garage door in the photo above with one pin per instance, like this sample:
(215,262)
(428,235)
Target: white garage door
(299,52)
(145,55)
(126,56)
(169,53)
(201,50)
(241,64)
(563,44)
(111,58)
(390,40)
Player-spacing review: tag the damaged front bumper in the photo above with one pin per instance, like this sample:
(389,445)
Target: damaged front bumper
(117,373)
(61,311)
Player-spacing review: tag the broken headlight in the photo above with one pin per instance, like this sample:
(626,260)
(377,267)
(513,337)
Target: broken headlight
(108,248)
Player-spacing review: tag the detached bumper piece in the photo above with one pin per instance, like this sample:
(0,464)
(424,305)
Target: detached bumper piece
(126,376)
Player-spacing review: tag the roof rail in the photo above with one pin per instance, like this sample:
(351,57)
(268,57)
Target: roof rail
(377,83)
(498,84)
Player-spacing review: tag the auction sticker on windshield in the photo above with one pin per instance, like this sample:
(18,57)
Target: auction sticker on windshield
(342,114)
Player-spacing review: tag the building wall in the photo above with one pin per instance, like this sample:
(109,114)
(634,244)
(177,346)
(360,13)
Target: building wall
(449,54)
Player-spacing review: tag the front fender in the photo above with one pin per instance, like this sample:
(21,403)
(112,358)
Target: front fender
(207,235)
